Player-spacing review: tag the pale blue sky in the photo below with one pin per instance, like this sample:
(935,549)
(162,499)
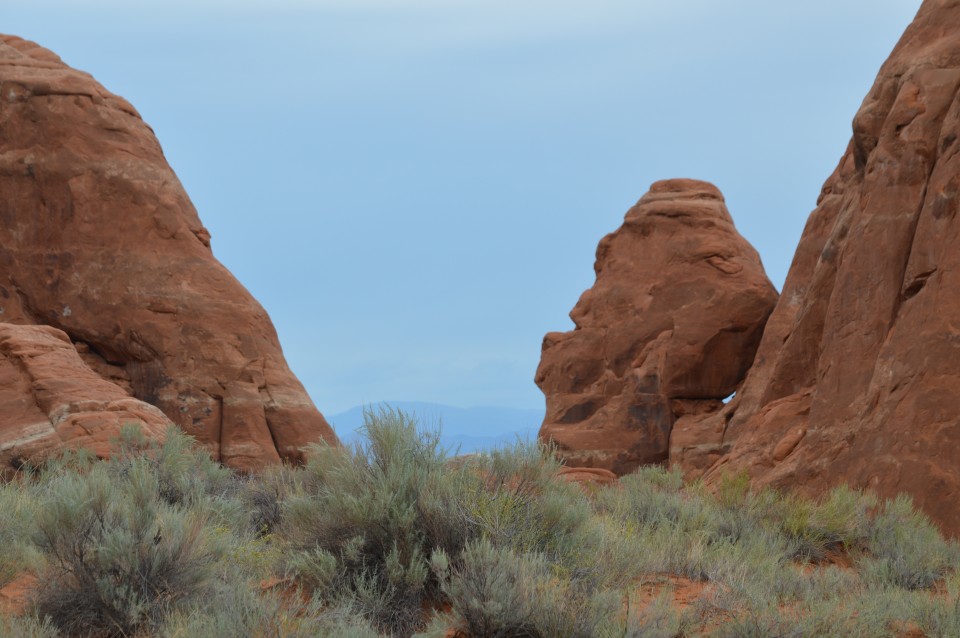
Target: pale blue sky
(415,189)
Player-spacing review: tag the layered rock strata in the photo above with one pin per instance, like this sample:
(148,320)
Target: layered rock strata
(668,330)
(98,239)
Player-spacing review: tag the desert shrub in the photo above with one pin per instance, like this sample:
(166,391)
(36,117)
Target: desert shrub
(185,473)
(119,556)
(263,496)
(511,497)
(245,611)
(366,519)
(493,590)
(27,627)
(816,528)
(660,619)
(654,496)
(497,592)
(905,549)
(16,504)
(935,616)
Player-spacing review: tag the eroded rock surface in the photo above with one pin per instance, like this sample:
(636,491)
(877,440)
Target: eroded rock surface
(856,380)
(50,400)
(668,330)
(99,240)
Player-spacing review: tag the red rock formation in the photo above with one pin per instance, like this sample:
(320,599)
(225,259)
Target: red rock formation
(99,239)
(856,379)
(668,329)
(50,400)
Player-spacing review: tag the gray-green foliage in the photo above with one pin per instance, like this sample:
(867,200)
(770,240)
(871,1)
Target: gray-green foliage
(246,612)
(16,515)
(367,541)
(120,554)
(905,549)
(363,525)
(27,627)
(504,593)
(368,523)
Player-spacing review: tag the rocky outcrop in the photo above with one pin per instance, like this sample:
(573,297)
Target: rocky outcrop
(98,239)
(856,379)
(50,400)
(668,330)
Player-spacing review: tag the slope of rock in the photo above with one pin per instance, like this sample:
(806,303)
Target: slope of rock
(99,239)
(50,400)
(668,330)
(856,379)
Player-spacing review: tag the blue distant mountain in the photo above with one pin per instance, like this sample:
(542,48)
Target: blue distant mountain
(467,429)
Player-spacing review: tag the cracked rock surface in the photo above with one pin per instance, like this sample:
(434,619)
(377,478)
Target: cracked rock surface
(99,240)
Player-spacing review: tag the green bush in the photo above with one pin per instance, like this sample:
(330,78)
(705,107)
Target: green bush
(497,592)
(837,522)
(905,549)
(27,627)
(16,506)
(244,611)
(263,497)
(366,519)
(119,554)
(391,537)
(494,590)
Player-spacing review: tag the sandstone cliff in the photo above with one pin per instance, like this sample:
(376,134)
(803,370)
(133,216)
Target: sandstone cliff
(856,379)
(668,330)
(99,240)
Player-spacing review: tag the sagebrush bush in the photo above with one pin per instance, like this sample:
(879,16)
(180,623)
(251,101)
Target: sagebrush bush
(495,591)
(244,611)
(905,549)
(27,627)
(498,592)
(366,519)
(816,528)
(119,555)
(391,537)
(185,473)
(16,514)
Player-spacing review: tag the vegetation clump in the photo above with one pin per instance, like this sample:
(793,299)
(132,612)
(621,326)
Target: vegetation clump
(394,538)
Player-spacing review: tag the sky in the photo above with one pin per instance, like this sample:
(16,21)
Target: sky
(414,189)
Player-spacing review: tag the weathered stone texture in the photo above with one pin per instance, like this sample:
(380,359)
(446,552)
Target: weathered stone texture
(856,379)
(98,239)
(667,331)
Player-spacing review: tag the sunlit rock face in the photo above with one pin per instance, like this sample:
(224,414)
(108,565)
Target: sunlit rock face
(99,240)
(856,379)
(668,330)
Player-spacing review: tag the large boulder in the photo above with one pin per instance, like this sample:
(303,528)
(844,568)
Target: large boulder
(98,239)
(50,400)
(669,329)
(856,379)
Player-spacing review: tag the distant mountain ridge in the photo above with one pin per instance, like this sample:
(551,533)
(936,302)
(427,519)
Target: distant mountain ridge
(469,429)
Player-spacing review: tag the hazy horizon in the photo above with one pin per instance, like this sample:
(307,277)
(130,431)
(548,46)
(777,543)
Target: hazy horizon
(414,191)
